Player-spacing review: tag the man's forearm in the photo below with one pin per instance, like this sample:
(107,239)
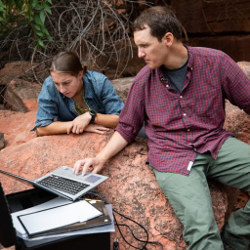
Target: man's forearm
(114,146)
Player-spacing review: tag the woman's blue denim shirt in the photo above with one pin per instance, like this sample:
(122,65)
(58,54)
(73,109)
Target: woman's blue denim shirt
(99,94)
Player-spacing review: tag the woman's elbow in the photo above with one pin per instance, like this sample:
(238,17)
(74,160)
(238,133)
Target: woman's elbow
(41,131)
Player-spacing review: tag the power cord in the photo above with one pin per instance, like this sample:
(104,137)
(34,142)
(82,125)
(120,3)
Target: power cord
(116,243)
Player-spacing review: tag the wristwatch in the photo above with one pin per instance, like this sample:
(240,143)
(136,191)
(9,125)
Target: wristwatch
(93,115)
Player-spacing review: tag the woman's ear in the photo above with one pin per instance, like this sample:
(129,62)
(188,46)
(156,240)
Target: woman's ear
(168,39)
(80,74)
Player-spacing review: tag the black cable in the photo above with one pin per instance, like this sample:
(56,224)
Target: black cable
(151,242)
(145,230)
(105,199)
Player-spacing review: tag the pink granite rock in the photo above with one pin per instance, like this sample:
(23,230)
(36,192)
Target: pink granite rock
(17,92)
(131,188)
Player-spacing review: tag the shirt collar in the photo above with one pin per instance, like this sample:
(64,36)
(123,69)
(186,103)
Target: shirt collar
(189,65)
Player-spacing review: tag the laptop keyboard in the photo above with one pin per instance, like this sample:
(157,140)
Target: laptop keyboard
(62,184)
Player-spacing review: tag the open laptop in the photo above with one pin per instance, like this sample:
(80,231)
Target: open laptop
(63,182)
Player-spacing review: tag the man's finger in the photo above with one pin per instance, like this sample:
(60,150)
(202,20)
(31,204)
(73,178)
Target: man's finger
(86,167)
(77,166)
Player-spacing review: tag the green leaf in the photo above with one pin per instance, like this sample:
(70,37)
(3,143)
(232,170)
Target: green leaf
(34,4)
(50,1)
(47,8)
(39,33)
(40,42)
(38,20)
(42,16)
(37,27)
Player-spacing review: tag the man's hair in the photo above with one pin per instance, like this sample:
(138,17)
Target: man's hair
(66,62)
(160,20)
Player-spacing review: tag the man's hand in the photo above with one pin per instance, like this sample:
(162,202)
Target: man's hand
(94,128)
(88,165)
(78,125)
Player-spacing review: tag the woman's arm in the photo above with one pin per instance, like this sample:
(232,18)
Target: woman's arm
(53,128)
(79,125)
(106,120)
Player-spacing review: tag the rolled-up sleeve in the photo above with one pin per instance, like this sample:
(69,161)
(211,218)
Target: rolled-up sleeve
(47,108)
(236,84)
(133,114)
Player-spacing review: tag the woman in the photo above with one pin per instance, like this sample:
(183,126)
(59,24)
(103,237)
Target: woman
(73,99)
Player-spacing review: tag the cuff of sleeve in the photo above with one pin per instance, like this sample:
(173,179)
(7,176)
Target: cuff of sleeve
(125,134)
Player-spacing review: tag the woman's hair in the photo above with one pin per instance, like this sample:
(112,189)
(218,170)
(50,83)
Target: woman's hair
(160,20)
(66,62)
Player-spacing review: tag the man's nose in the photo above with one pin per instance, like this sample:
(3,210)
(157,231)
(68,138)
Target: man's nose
(141,53)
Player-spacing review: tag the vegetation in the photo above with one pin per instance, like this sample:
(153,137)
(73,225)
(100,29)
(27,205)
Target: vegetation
(30,14)
(35,30)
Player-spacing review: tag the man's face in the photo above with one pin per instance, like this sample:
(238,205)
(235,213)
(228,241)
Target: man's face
(67,84)
(153,51)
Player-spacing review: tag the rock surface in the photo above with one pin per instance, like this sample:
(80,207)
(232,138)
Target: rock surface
(131,187)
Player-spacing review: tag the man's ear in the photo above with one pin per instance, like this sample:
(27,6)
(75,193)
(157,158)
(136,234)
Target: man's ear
(168,39)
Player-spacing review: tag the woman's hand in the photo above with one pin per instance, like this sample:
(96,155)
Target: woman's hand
(94,128)
(79,124)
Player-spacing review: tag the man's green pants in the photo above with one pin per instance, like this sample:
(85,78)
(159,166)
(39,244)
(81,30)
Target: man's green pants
(191,200)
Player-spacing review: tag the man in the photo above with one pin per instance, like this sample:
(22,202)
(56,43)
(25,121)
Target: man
(180,95)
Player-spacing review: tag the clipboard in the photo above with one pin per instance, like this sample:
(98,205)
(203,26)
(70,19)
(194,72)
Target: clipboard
(99,221)
(57,217)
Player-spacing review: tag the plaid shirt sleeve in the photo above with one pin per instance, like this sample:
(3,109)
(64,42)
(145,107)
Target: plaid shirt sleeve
(235,84)
(133,114)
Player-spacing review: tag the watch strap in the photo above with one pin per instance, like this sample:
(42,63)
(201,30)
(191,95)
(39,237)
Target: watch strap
(93,115)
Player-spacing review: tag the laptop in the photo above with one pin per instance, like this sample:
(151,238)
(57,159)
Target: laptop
(64,182)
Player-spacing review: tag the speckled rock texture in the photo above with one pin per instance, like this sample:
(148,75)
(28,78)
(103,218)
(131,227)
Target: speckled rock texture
(131,187)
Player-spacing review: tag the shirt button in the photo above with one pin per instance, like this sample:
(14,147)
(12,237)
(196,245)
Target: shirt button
(180,96)
(184,114)
(188,130)
(167,86)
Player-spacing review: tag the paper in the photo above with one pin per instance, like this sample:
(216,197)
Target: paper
(57,217)
(58,201)
(31,242)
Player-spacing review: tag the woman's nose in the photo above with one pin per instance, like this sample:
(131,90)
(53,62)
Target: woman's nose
(62,89)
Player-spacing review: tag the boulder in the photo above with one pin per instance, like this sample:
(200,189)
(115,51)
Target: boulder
(131,187)
(214,17)
(17,91)
(245,66)
(122,86)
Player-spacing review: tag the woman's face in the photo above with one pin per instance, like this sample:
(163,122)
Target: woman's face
(67,84)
